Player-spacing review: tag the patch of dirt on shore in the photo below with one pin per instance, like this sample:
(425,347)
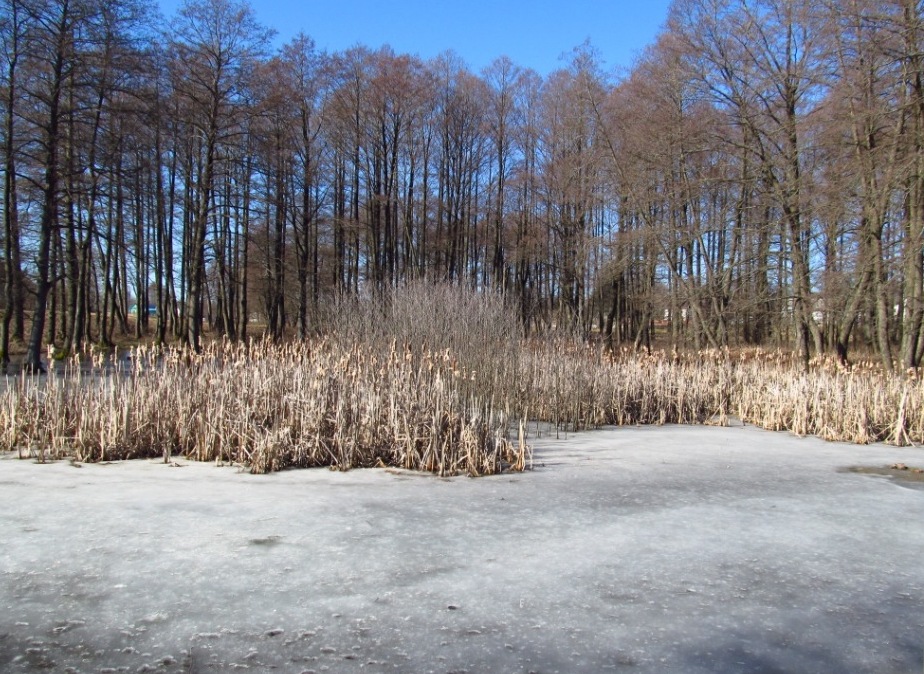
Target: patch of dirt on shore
(897,471)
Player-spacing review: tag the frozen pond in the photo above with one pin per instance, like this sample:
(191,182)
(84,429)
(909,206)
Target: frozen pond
(671,549)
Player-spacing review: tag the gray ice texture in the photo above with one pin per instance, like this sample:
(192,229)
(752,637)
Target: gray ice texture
(655,549)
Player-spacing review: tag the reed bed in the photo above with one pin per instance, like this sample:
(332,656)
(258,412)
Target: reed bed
(430,379)
(267,407)
(584,387)
(771,390)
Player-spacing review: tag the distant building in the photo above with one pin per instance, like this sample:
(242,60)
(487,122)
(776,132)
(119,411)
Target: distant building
(133,310)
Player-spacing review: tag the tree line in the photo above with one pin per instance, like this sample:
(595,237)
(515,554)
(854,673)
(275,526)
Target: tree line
(755,178)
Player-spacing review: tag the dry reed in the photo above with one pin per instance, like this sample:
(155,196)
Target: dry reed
(267,407)
(771,390)
(433,385)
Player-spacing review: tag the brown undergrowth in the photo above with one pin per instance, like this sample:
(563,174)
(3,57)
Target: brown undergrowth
(267,407)
(428,379)
(771,390)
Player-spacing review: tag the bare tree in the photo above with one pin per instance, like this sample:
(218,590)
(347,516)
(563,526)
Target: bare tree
(13,28)
(215,44)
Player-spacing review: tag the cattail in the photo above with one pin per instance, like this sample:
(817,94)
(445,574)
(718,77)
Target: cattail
(439,394)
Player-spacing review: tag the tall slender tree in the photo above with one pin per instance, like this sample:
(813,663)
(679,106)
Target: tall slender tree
(215,46)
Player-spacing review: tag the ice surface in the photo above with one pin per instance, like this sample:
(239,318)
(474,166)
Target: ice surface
(659,549)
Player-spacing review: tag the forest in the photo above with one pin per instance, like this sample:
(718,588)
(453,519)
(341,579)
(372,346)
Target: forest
(755,179)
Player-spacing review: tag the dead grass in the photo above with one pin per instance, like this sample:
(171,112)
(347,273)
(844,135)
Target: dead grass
(429,379)
(584,388)
(267,407)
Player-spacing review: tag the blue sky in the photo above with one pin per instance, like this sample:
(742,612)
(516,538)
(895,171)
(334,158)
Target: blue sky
(533,34)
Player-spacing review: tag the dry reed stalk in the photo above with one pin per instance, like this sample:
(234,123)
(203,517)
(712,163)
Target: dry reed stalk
(267,407)
(428,392)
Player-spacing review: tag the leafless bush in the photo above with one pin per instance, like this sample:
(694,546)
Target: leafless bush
(582,386)
(479,329)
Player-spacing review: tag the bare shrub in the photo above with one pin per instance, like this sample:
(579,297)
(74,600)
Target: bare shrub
(479,329)
(582,386)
